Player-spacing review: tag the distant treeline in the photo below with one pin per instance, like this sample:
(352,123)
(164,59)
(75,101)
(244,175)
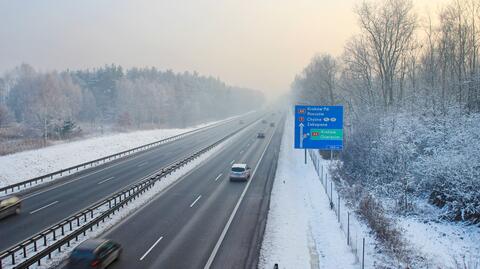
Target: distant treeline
(52,104)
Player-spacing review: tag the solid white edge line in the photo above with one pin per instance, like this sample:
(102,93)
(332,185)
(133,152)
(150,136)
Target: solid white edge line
(229,222)
(150,249)
(232,161)
(221,174)
(196,200)
(43,207)
(105,180)
(169,187)
(124,160)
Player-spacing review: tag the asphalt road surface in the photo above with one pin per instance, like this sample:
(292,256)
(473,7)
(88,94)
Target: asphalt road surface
(203,220)
(51,203)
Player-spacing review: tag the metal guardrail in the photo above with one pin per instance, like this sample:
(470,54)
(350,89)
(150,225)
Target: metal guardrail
(38,180)
(72,227)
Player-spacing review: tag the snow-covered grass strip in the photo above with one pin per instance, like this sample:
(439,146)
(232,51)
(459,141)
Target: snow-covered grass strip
(301,230)
(21,166)
(354,230)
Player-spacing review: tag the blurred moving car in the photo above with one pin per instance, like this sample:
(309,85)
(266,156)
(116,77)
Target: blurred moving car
(264,121)
(272,124)
(260,135)
(94,253)
(10,205)
(239,171)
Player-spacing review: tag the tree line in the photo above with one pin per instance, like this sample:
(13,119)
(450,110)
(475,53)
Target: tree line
(54,104)
(411,90)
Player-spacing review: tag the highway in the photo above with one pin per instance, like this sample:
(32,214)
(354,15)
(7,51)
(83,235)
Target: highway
(203,220)
(50,203)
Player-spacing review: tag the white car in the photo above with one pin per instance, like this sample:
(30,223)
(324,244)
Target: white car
(239,171)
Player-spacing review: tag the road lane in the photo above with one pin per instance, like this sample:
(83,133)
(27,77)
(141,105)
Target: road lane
(189,236)
(82,190)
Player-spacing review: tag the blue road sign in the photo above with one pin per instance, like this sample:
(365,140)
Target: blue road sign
(319,127)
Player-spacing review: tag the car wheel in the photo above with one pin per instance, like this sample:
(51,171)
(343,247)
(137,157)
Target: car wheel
(17,211)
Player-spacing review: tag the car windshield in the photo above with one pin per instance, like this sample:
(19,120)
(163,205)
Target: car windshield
(238,169)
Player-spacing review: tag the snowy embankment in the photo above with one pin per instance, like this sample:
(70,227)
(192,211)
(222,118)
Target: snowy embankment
(29,164)
(443,244)
(301,230)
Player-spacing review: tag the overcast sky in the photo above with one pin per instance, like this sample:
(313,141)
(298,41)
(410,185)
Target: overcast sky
(259,44)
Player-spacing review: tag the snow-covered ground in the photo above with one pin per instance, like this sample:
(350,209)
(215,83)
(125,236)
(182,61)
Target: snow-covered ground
(29,164)
(444,244)
(301,230)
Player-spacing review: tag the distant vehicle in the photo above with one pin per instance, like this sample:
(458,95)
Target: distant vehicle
(260,135)
(240,171)
(272,124)
(241,122)
(10,205)
(94,253)
(264,121)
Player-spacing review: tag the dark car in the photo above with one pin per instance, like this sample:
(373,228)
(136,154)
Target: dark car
(94,253)
(272,124)
(264,121)
(9,205)
(260,135)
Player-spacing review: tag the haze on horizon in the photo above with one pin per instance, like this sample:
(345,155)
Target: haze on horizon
(262,45)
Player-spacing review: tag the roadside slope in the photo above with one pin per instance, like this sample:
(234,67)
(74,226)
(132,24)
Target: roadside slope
(301,231)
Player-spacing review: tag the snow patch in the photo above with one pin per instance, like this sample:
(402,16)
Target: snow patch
(301,230)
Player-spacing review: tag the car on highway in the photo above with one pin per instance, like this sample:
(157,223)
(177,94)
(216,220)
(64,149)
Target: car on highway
(240,172)
(261,135)
(264,121)
(10,205)
(241,122)
(94,253)
(272,124)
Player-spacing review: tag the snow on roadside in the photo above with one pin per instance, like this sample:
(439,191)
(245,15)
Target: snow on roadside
(29,164)
(444,244)
(301,230)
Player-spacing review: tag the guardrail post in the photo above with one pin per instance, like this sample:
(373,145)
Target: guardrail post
(363,253)
(348,228)
(338,207)
(331,190)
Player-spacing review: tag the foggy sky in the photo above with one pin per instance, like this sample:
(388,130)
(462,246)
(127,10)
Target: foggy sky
(257,44)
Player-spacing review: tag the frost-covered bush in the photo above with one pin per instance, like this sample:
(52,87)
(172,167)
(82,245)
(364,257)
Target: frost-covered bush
(403,157)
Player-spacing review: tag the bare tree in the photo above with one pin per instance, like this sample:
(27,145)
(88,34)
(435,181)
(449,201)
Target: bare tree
(388,28)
